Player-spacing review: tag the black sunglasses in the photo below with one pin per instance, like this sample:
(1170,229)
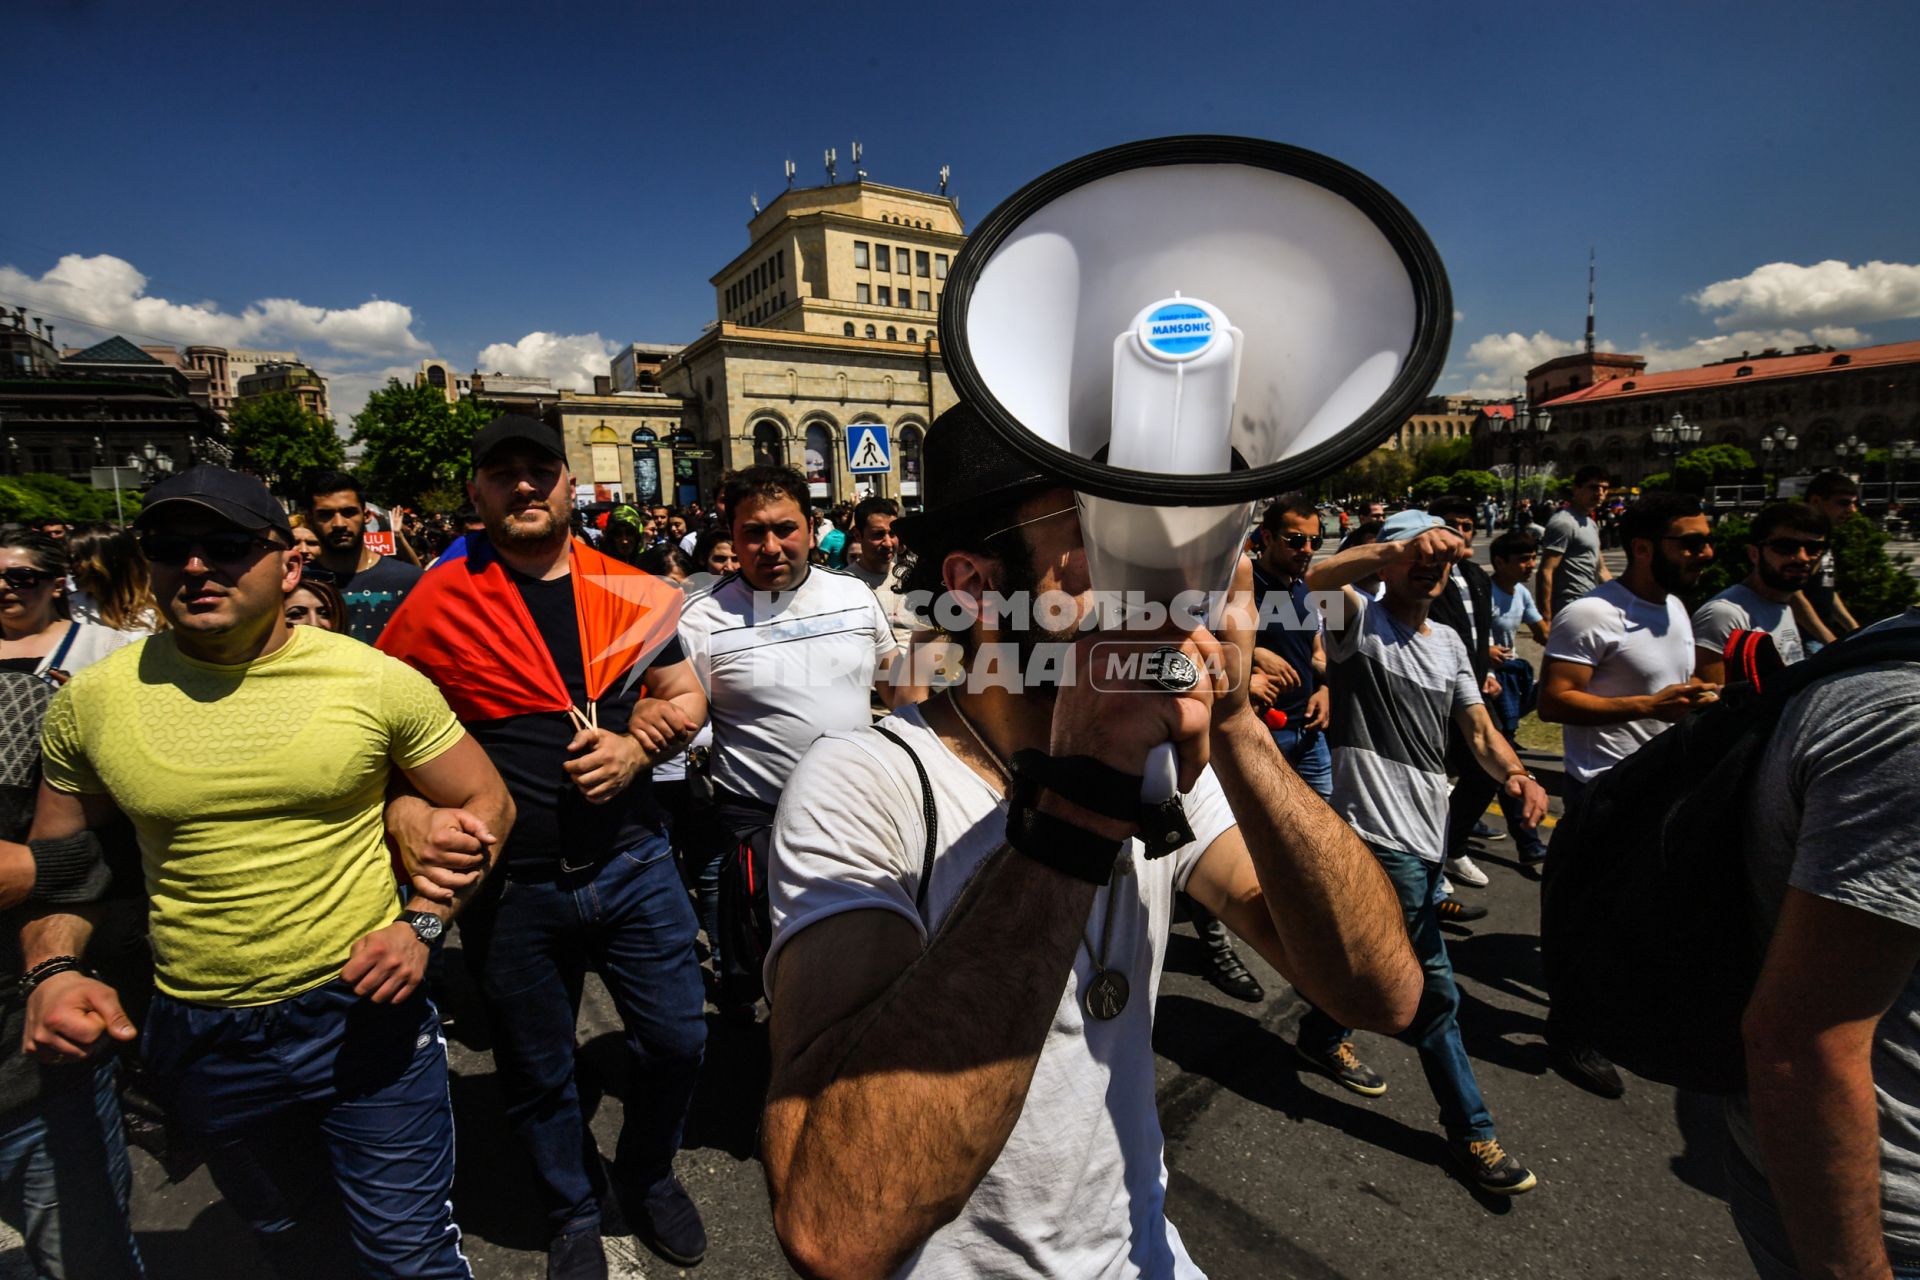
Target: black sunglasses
(27,579)
(175,549)
(1300,541)
(1692,543)
(1789,546)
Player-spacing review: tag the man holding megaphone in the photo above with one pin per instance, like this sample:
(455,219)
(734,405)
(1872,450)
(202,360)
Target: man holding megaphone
(968,933)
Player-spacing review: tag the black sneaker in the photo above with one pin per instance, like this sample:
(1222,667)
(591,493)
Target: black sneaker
(1586,1067)
(670,1225)
(1453,911)
(1492,1169)
(1344,1067)
(1225,972)
(577,1255)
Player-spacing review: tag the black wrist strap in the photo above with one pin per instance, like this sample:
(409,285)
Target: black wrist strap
(1094,786)
(1056,843)
(47,969)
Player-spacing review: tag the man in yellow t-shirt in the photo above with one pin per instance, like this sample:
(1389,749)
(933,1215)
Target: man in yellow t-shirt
(253,760)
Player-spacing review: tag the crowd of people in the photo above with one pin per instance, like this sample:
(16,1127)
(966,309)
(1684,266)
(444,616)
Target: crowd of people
(845,756)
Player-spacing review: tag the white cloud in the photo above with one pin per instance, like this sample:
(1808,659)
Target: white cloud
(568,360)
(1830,292)
(102,295)
(348,389)
(1661,358)
(1458,315)
(1500,360)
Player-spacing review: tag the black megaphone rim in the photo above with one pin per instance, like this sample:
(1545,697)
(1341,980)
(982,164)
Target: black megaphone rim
(1433,329)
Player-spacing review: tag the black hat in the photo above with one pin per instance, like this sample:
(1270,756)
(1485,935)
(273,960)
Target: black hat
(516,428)
(968,471)
(238,499)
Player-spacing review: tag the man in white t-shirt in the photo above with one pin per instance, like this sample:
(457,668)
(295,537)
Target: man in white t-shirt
(1788,541)
(787,650)
(1617,671)
(963,1070)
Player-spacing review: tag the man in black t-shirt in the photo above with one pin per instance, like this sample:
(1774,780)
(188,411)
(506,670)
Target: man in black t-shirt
(587,880)
(371,585)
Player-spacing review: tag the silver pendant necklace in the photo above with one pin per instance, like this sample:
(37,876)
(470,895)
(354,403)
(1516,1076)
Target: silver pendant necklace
(1106,994)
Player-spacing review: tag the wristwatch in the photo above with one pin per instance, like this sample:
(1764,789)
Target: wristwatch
(426,926)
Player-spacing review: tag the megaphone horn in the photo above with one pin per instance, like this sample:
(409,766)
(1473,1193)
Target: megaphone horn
(1179,327)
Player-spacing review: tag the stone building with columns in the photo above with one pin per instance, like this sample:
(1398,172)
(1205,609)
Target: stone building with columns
(827,320)
(1605,407)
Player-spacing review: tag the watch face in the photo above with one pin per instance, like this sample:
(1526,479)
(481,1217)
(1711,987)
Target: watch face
(426,925)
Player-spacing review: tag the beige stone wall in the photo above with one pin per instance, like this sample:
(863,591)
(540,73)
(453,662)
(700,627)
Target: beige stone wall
(581,417)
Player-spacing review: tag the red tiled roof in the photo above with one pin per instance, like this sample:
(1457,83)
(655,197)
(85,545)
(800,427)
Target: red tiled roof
(1496,411)
(1762,369)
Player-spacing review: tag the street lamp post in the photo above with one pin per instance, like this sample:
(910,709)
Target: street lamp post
(1676,431)
(1521,430)
(1852,450)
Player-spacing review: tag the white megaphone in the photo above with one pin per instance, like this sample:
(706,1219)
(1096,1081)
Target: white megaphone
(1180,327)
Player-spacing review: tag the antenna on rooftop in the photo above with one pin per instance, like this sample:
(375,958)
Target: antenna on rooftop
(790,173)
(832,158)
(754,200)
(858,151)
(1589,300)
(946,172)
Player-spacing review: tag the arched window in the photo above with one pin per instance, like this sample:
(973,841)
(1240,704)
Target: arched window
(912,336)
(819,461)
(846,330)
(870,332)
(769,446)
(436,377)
(893,334)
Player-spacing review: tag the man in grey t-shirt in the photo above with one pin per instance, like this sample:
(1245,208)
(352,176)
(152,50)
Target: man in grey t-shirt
(1570,560)
(1788,540)
(1832,1112)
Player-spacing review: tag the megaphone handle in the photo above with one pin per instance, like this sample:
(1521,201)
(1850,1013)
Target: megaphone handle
(1162,777)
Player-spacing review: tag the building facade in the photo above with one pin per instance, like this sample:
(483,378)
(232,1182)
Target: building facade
(1818,396)
(292,377)
(111,404)
(828,322)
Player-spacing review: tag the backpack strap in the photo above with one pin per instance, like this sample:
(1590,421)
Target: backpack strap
(59,655)
(928,812)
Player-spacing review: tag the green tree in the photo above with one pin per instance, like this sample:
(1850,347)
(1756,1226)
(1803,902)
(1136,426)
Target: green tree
(275,437)
(1475,484)
(1426,490)
(1384,473)
(1442,457)
(38,496)
(1699,469)
(415,441)
(1874,584)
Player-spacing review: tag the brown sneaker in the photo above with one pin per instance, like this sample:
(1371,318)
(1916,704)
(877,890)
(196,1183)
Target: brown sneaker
(1488,1164)
(1344,1067)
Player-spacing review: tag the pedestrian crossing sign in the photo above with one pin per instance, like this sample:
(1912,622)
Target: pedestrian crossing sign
(867,450)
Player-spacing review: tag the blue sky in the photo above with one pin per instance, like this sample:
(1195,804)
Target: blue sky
(371,183)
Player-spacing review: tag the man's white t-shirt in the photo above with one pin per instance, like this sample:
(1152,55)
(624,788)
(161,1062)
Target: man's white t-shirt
(1635,648)
(780,669)
(1079,1190)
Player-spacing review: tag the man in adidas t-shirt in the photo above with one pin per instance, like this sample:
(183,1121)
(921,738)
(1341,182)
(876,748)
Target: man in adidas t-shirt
(787,650)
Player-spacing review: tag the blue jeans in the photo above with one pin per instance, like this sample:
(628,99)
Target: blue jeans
(529,950)
(1306,750)
(323,1086)
(1435,1030)
(64,1177)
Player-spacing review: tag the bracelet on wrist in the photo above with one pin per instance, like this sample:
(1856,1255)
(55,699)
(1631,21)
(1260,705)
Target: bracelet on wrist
(47,969)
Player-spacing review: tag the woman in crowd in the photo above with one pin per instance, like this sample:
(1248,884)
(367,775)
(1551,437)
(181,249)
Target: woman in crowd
(110,583)
(37,635)
(305,540)
(664,560)
(315,604)
(713,559)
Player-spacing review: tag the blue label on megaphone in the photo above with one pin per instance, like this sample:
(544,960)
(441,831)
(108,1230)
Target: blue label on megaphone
(1177,329)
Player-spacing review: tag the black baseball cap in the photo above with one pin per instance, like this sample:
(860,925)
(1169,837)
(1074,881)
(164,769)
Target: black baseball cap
(241,500)
(516,428)
(970,473)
